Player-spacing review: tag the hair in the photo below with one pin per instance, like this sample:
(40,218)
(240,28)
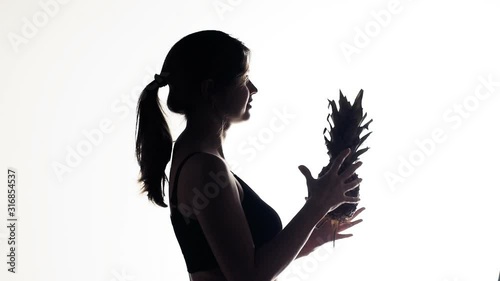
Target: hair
(207,54)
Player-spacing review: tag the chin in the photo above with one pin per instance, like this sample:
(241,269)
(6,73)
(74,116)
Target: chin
(246,115)
(243,117)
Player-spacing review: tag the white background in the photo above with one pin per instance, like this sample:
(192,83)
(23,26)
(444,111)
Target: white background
(68,67)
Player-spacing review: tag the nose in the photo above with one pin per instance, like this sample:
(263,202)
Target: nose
(252,88)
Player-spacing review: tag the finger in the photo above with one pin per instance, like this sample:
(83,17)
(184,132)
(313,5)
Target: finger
(350,223)
(349,171)
(353,184)
(339,160)
(353,223)
(350,199)
(305,171)
(341,236)
(358,211)
(347,225)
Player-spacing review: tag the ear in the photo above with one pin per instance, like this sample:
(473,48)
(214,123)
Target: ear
(207,89)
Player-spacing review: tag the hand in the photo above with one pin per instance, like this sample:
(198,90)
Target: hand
(347,224)
(325,233)
(331,233)
(329,190)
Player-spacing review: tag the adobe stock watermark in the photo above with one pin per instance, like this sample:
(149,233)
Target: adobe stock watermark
(266,135)
(222,7)
(454,116)
(201,198)
(120,109)
(363,36)
(31,26)
(304,267)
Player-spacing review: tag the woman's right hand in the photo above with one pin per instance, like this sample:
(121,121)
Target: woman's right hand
(329,190)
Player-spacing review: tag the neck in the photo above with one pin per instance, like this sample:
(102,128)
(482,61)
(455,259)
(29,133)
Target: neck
(205,133)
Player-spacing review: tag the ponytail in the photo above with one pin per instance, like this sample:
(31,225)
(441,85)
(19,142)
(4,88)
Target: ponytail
(153,144)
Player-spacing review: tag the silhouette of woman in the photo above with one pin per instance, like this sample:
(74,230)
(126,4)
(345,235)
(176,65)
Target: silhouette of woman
(225,231)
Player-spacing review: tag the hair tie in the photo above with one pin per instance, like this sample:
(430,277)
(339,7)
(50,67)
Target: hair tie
(162,78)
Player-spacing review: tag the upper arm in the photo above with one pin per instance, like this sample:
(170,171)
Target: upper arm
(221,216)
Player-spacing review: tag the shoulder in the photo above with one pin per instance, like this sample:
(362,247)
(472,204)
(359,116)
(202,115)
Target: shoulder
(204,165)
(205,178)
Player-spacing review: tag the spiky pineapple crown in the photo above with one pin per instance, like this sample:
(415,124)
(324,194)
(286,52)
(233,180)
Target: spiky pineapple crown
(345,131)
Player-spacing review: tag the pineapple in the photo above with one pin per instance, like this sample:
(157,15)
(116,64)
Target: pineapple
(345,133)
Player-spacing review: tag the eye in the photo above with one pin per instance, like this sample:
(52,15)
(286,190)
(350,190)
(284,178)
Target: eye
(245,80)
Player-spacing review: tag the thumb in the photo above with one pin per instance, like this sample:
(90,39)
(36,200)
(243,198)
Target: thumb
(305,171)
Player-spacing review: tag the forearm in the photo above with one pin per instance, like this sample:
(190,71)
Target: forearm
(273,257)
(308,247)
(311,244)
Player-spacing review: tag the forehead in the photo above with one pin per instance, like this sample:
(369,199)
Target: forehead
(247,63)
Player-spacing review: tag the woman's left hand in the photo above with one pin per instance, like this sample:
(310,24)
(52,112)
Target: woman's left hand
(347,224)
(326,233)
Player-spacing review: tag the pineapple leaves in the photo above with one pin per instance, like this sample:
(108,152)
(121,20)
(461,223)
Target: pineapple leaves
(359,152)
(345,124)
(362,119)
(335,112)
(363,139)
(357,101)
(366,125)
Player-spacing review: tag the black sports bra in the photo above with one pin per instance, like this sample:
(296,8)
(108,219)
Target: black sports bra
(263,221)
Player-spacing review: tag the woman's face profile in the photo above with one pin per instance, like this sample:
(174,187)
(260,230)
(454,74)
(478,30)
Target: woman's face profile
(237,99)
